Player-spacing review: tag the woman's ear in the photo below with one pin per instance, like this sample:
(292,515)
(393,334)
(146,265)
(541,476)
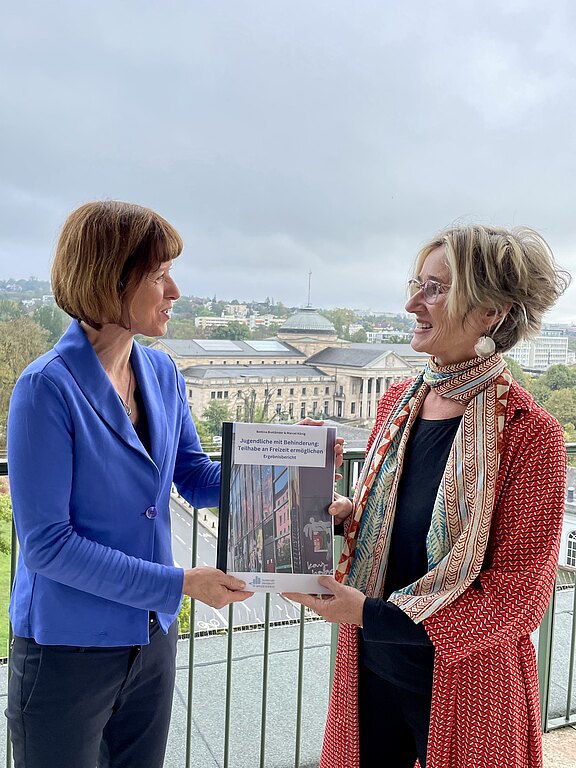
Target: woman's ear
(495,314)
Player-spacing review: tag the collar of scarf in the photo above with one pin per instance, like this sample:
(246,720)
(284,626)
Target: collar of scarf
(462,512)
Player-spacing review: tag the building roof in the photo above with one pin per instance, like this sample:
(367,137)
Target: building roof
(308,320)
(226,348)
(263,372)
(362,355)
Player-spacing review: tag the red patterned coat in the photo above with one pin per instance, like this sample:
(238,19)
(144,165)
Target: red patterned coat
(485,705)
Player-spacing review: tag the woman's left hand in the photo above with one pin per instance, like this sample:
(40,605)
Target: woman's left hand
(338,447)
(343,606)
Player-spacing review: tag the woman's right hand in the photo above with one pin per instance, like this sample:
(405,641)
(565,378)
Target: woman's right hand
(341,508)
(213,587)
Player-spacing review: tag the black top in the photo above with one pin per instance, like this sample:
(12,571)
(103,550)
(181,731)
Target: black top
(391,644)
(141,425)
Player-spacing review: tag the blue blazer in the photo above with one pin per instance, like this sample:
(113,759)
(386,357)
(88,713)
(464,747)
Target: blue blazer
(91,506)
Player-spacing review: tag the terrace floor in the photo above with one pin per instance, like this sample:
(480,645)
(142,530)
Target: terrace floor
(560,748)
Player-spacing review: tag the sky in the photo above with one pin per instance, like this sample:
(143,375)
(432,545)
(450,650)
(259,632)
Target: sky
(283,137)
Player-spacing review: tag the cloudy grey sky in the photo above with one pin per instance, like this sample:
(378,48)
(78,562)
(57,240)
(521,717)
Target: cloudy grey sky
(282,136)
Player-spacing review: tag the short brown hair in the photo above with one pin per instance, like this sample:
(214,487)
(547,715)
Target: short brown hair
(501,269)
(105,249)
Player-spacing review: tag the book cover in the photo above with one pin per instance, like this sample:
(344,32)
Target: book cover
(277,483)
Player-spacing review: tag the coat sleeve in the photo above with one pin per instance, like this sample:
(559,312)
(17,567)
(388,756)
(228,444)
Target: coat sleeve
(511,594)
(41,445)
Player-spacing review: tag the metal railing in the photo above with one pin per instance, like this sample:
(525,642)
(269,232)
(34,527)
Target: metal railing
(304,617)
(560,712)
(549,653)
(350,470)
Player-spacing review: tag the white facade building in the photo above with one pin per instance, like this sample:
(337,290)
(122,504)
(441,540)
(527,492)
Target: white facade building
(568,541)
(550,348)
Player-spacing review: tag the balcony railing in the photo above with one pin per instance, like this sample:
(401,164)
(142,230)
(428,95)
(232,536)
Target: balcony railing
(556,660)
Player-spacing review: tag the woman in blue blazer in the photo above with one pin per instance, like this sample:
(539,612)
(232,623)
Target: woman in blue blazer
(99,429)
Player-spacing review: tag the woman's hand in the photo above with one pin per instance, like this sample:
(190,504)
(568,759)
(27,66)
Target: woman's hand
(213,587)
(341,508)
(338,447)
(343,606)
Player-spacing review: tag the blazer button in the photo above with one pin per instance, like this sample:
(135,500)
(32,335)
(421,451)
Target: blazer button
(151,513)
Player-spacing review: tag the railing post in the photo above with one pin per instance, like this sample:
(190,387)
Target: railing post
(572,657)
(545,641)
(191,643)
(334,628)
(13,564)
(228,706)
(266,651)
(299,689)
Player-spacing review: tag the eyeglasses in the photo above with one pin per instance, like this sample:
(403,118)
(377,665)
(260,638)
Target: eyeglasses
(431,289)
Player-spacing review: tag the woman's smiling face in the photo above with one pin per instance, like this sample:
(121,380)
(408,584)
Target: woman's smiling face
(151,305)
(449,340)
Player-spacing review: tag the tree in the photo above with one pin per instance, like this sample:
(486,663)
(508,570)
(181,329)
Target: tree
(10,310)
(279,310)
(562,404)
(234,330)
(5,516)
(218,308)
(184,307)
(216,412)
(538,389)
(182,328)
(559,377)
(261,332)
(204,434)
(516,371)
(359,337)
(341,319)
(253,411)
(184,616)
(21,341)
(53,320)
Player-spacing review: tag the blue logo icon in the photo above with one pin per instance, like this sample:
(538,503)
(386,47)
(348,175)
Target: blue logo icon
(256,581)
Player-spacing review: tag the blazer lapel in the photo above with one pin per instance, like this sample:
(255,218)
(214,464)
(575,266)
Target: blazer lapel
(84,365)
(153,398)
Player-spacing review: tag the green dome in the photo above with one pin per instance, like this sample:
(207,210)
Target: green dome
(308,321)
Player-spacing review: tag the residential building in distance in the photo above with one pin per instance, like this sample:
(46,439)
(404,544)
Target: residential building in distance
(549,348)
(208,321)
(252,321)
(381,335)
(236,310)
(567,554)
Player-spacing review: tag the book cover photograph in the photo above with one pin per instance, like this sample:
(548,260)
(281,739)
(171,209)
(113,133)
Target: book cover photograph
(274,529)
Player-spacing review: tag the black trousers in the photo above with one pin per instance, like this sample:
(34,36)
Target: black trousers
(393,723)
(85,707)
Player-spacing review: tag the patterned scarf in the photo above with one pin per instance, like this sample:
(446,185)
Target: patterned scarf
(462,512)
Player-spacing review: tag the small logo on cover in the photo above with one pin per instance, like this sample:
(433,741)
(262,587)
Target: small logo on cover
(256,581)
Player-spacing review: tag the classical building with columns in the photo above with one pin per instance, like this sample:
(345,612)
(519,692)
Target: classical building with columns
(362,373)
(306,370)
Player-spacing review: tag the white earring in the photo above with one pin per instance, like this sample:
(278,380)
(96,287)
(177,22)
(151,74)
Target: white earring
(485,346)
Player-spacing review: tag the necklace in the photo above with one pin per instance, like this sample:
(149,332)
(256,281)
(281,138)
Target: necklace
(124,402)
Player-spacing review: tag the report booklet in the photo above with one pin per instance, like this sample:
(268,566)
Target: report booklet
(274,530)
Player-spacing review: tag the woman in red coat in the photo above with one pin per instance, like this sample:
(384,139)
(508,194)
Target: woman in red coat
(452,536)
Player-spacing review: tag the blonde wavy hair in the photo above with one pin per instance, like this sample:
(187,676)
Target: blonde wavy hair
(105,249)
(510,271)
